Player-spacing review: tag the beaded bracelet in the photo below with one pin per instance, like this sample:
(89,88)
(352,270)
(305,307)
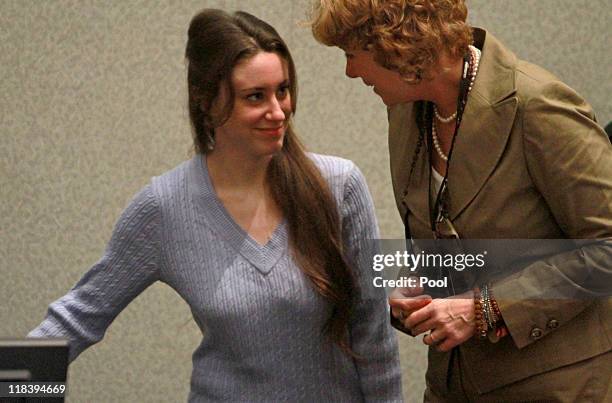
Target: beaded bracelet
(501,329)
(489,307)
(495,306)
(481,324)
(486,306)
(489,321)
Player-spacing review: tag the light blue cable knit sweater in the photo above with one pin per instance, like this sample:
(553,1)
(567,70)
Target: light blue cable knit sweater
(260,317)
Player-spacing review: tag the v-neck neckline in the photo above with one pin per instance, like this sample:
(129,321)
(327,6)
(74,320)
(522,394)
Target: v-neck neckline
(263,257)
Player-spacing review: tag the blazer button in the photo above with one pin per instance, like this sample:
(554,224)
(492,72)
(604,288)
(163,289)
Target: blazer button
(552,324)
(536,333)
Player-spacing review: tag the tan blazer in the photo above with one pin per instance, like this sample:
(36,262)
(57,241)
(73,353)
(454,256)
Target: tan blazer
(530,162)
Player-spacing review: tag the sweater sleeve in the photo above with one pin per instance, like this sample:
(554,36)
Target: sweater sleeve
(129,265)
(372,337)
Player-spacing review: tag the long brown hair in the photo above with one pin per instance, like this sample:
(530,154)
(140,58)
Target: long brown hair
(217,42)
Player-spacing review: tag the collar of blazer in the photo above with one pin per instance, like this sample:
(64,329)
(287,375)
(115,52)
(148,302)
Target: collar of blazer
(482,137)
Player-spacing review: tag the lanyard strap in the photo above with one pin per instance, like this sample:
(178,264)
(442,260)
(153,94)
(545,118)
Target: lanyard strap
(440,207)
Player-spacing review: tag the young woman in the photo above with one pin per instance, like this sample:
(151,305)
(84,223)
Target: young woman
(265,243)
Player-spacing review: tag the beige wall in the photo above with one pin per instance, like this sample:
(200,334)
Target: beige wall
(92,104)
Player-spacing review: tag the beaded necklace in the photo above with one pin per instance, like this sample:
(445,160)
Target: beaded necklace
(440,210)
(475,56)
(424,116)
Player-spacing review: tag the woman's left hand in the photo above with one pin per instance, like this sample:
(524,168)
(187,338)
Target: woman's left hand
(451,321)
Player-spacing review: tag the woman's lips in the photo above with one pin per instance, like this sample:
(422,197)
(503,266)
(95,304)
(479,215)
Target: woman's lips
(273,131)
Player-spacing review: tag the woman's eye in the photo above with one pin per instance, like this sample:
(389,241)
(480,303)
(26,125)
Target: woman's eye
(257,96)
(283,92)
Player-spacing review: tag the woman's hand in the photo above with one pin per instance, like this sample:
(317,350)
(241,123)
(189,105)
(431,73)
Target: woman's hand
(406,300)
(451,321)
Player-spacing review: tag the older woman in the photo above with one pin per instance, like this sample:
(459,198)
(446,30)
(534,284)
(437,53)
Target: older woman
(484,145)
(263,241)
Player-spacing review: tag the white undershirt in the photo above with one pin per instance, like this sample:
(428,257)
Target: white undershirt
(436,181)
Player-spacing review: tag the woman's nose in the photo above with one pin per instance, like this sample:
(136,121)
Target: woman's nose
(275,111)
(350,70)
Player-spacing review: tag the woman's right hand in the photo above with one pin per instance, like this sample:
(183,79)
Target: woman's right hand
(405,300)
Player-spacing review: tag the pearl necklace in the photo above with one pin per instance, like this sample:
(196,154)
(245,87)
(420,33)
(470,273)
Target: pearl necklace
(436,142)
(476,57)
(434,133)
(442,118)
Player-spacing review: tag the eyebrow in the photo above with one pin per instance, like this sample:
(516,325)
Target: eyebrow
(249,89)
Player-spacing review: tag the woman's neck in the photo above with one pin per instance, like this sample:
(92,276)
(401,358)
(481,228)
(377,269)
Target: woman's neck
(236,173)
(445,84)
(242,186)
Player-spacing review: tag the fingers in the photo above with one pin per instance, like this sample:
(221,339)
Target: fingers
(441,341)
(448,319)
(439,312)
(421,314)
(434,337)
(404,300)
(410,304)
(406,292)
(422,327)
(398,313)
(444,343)
(403,308)
(428,339)
(448,335)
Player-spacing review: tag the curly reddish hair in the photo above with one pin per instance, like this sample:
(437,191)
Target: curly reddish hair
(406,36)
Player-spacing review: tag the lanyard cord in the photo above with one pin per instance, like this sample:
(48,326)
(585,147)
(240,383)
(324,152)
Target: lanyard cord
(440,208)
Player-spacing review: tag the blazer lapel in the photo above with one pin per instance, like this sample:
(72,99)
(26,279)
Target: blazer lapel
(403,139)
(482,138)
(479,145)
(486,125)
